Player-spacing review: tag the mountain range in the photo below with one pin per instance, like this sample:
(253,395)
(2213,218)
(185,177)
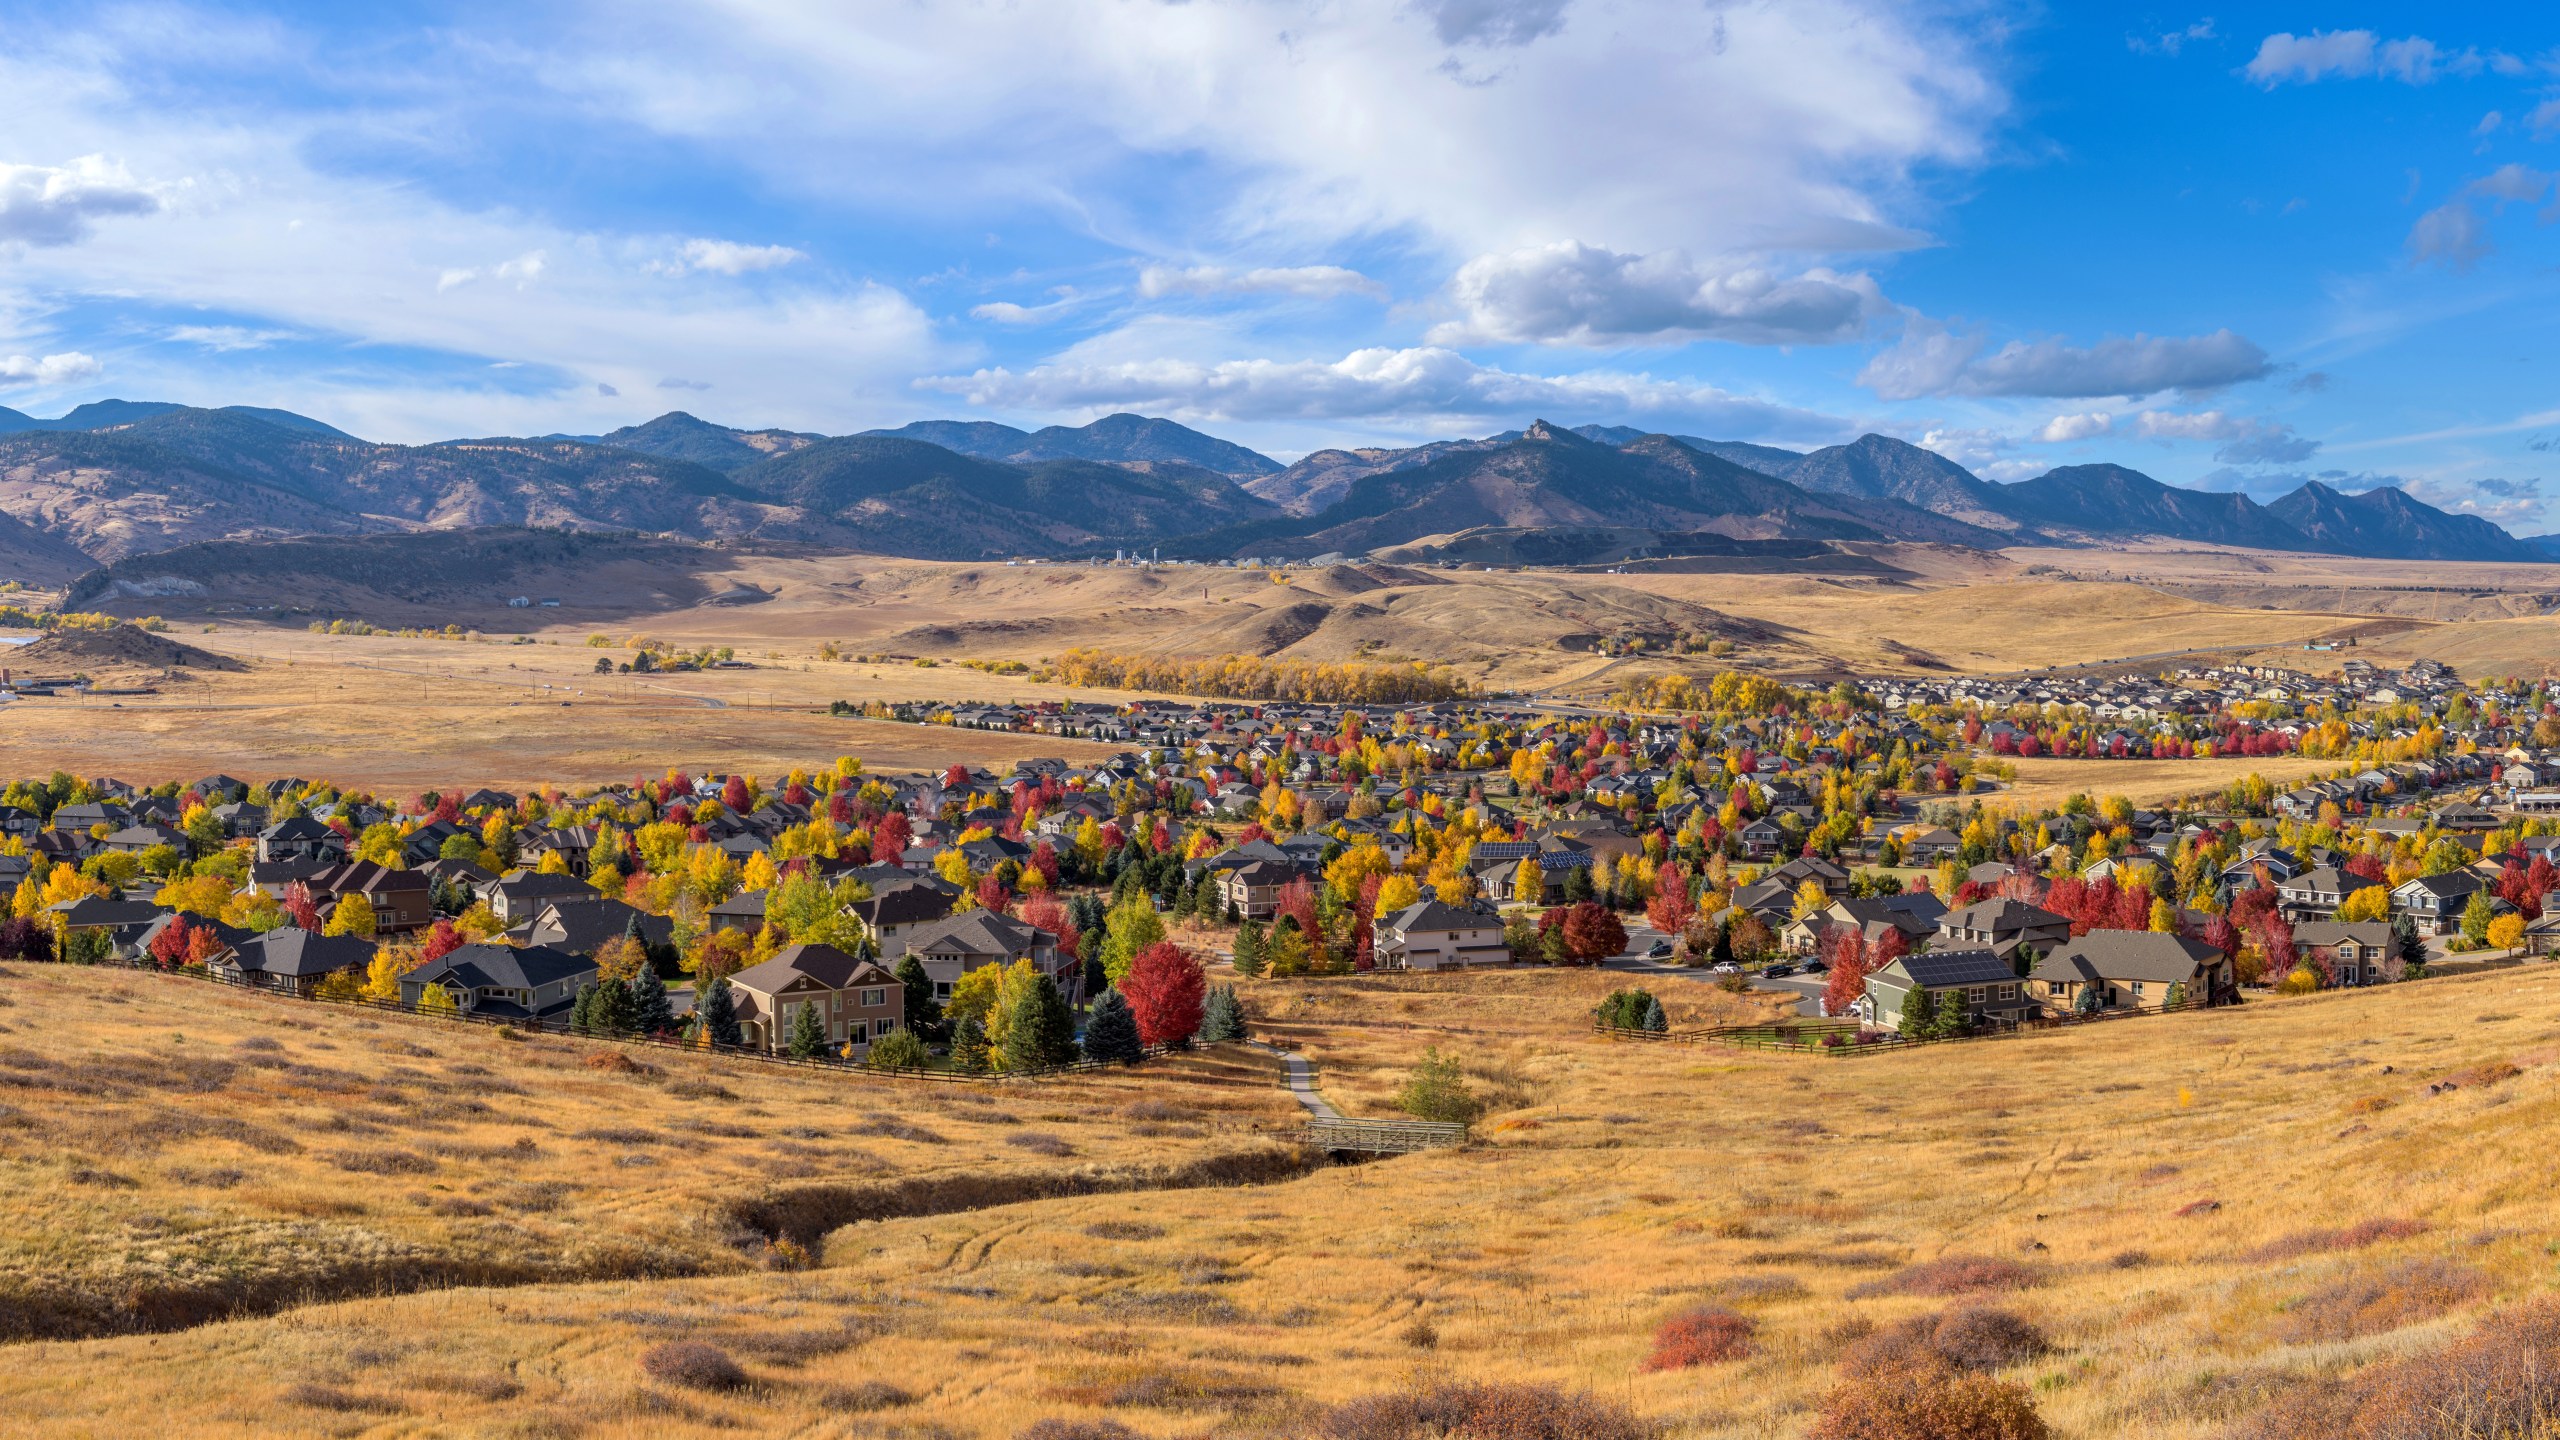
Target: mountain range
(115,478)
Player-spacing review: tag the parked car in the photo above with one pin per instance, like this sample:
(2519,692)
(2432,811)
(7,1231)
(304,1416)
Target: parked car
(1659,949)
(1816,967)
(1727,968)
(1779,971)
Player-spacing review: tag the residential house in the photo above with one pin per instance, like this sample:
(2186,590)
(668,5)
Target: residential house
(1252,890)
(2006,927)
(2435,902)
(2316,894)
(2357,949)
(134,839)
(2131,970)
(516,895)
(856,1000)
(898,907)
(584,926)
(301,838)
(1977,981)
(401,899)
(1434,935)
(533,983)
(292,959)
(952,947)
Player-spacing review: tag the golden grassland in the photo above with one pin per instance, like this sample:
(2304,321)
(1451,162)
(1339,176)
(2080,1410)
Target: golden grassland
(2154,1190)
(174,1151)
(2044,782)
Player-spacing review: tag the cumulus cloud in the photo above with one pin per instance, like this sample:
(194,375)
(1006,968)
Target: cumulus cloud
(1493,22)
(728,257)
(62,369)
(2355,54)
(2244,440)
(1573,293)
(1308,282)
(2062,429)
(2512,504)
(57,205)
(1421,383)
(1930,359)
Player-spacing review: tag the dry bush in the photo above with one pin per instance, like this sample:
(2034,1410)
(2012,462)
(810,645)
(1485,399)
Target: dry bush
(384,1162)
(1928,1404)
(2501,1381)
(1419,1334)
(1163,1111)
(798,1347)
(1039,1143)
(2194,1208)
(2400,1294)
(694,1364)
(1975,1337)
(344,1402)
(866,1397)
(2478,1075)
(890,1127)
(2320,1242)
(1124,1230)
(687,1089)
(621,1135)
(614,1062)
(1952,1275)
(1078,1430)
(1484,1412)
(1706,1336)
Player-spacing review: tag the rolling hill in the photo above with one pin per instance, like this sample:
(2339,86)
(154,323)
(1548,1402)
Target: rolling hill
(1113,439)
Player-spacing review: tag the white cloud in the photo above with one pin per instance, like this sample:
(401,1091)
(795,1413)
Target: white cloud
(1310,282)
(1005,312)
(228,337)
(1572,293)
(523,270)
(2545,120)
(2452,234)
(728,257)
(49,205)
(2172,42)
(2062,429)
(2355,54)
(1421,383)
(62,369)
(2244,440)
(1969,447)
(1930,359)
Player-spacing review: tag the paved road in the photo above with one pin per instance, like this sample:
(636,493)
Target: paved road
(1301,1081)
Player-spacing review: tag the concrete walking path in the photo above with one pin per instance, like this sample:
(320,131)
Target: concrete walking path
(1301,1081)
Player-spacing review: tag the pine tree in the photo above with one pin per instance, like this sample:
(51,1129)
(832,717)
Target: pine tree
(1654,1019)
(1111,1032)
(719,1015)
(1221,1016)
(1722,953)
(2411,948)
(808,1033)
(651,1012)
(2091,999)
(1249,940)
(1040,1031)
(1577,885)
(1919,1014)
(923,1012)
(969,1046)
(1234,916)
(582,1011)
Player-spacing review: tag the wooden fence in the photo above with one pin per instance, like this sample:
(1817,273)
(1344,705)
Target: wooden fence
(1813,1037)
(832,1064)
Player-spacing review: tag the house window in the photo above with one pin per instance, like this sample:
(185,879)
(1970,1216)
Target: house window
(1973,995)
(2137,990)
(2008,992)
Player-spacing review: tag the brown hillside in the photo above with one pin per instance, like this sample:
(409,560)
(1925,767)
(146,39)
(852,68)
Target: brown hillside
(122,649)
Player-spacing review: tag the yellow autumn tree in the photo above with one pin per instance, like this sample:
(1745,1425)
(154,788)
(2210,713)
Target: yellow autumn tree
(353,916)
(759,874)
(1396,892)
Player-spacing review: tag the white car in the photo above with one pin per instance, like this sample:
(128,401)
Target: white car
(1727,968)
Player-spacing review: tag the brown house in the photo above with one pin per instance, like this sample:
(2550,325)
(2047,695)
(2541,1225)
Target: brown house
(2130,970)
(401,899)
(857,1001)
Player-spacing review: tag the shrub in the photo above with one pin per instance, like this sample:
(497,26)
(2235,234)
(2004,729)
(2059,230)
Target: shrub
(1483,1412)
(898,1050)
(2501,1380)
(1039,1144)
(694,1365)
(1420,1334)
(345,1402)
(1078,1430)
(2354,1237)
(1709,1335)
(2403,1293)
(1928,1404)
(1124,1230)
(866,1397)
(1436,1091)
(1976,1337)
(1952,1275)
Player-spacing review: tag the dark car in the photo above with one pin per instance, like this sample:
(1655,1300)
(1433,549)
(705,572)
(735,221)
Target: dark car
(1816,967)
(1659,949)
(1779,971)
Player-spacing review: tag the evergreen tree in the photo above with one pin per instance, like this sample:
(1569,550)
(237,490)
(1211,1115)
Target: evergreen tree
(1722,953)
(1919,1014)
(2024,961)
(898,1050)
(1221,1016)
(651,1012)
(1249,961)
(1040,1030)
(1111,1032)
(719,1014)
(582,1011)
(923,1013)
(1234,916)
(2091,999)
(969,1046)
(808,1033)
(615,1011)
(2411,948)
(1952,1018)
(1577,885)
(1654,1019)
(1551,946)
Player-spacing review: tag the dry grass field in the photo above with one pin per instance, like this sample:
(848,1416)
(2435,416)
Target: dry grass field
(2045,782)
(2190,1215)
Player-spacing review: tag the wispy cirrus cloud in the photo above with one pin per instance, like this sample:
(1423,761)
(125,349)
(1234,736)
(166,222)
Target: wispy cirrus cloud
(1930,359)
(1306,282)
(2286,58)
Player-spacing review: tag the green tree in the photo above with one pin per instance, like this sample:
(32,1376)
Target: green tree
(808,1033)
(652,1013)
(1654,1018)
(1132,926)
(2476,918)
(1249,944)
(1577,885)
(1040,1028)
(1111,1031)
(898,1050)
(1221,1016)
(969,1046)
(582,1011)
(1436,1090)
(923,1013)
(2091,1000)
(719,1014)
(1919,1014)
(2408,946)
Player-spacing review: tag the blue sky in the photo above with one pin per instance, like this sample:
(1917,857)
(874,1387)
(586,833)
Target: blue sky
(2234,247)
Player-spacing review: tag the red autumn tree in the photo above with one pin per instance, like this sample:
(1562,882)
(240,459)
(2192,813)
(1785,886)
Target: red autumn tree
(169,947)
(442,940)
(993,896)
(1165,988)
(1044,858)
(1592,932)
(1845,951)
(734,797)
(1043,912)
(889,838)
(297,905)
(1669,909)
